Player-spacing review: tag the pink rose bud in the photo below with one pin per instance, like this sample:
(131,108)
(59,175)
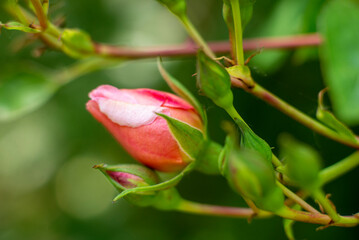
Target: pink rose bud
(130,116)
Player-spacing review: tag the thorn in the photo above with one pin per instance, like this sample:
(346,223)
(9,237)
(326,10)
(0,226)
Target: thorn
(250,218)
(228,60)
(320,206)
(330,224)
(259,51)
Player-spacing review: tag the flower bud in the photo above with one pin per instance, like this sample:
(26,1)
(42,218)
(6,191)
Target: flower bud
(131,176)
(214,81)
(251,176)
(302,162)
(131,117)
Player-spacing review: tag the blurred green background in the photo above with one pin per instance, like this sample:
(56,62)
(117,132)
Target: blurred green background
(48,189)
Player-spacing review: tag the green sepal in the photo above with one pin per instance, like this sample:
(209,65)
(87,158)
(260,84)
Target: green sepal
(168,199)
(242,73)
(328,118)
(177,7)
(251,140)
(224,155)
(157,187)
(190,139)
(182,91)
(214,81)
(207,159)
(77,43)
(19,26)
(302,162)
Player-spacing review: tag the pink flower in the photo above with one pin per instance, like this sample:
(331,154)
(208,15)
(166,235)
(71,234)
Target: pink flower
(130,116)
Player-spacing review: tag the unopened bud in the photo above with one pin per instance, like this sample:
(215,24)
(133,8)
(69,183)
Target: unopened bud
(302,162)
(253,177)
(214,81)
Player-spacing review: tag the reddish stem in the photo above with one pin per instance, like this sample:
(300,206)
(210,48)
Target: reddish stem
(189,49)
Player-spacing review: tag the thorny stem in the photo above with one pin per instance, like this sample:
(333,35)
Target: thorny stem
(317,218)
(235,212)
(236,11)
(294,113)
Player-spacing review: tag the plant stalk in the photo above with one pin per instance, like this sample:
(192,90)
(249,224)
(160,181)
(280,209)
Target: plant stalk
(40,13)
(294,113)
(238,32)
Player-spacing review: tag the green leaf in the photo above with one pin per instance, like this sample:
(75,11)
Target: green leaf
(180,90)
(19,26)
(177,7)
(189,138)
(77,43)
(331,121)
(23,92)
(246,13)
(339,56)
(286,19)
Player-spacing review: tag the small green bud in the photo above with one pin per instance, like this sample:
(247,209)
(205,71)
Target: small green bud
(214,81)
(253,177)
(177,7)
(302,162)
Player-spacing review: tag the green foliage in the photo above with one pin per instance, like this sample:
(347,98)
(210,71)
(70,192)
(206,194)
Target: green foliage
(19,26)
(331,121)
(286,19)
(339,57)
(22,92)
(246,13)
(177,7)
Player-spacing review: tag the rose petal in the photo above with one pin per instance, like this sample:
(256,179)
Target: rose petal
(128,114)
